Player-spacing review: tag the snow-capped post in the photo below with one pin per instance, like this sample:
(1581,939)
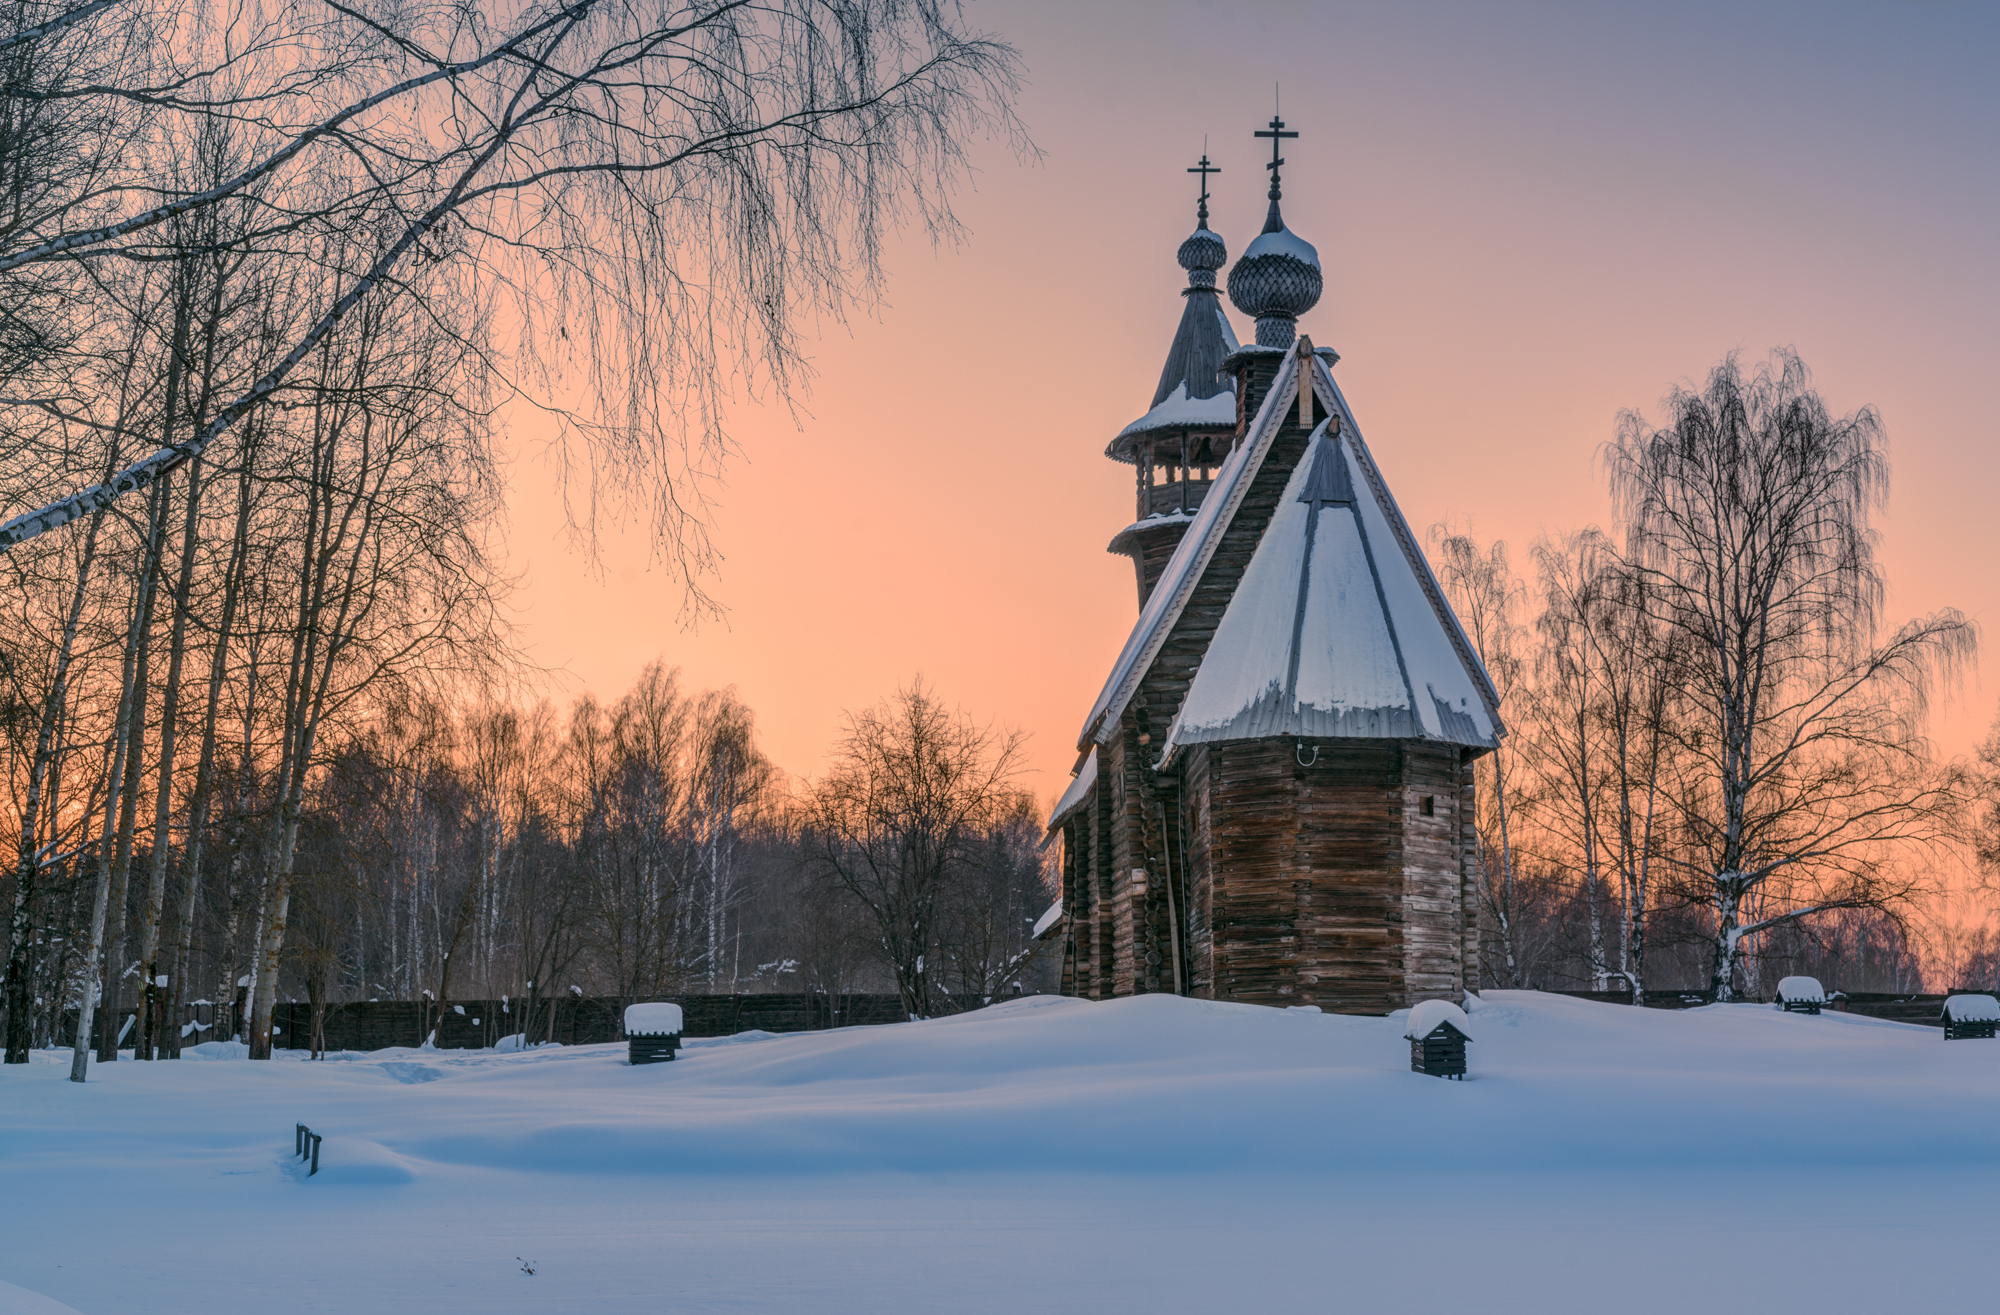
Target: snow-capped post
(1970,1017)
(1801,995)
(652,1032)
(1437,1032)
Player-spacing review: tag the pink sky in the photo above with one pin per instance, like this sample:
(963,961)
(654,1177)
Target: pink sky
(1529,220)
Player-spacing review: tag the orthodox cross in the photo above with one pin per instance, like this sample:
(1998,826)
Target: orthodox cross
(1204,169)
(1277,134)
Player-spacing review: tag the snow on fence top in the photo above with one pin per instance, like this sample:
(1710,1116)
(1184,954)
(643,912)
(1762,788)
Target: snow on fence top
(1802,990)
(652,1019)
(1424,1019)
(1972,1009)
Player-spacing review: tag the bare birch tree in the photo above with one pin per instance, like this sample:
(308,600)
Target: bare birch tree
(1801,759)
(1487,596)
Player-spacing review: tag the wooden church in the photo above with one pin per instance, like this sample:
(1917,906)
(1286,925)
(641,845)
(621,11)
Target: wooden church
(1273,799)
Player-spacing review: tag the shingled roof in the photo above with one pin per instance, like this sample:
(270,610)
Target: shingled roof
(1363,666)
(1193,391)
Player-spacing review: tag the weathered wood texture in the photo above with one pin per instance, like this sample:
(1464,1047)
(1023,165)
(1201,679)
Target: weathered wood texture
(1323,878)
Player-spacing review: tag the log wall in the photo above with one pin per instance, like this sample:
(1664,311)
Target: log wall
(1324,880)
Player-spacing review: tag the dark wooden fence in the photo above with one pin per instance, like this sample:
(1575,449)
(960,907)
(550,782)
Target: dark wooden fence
(588,1020)
(1924,1009)
(473,1024)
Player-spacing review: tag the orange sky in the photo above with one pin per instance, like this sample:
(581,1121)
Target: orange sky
(1530,217)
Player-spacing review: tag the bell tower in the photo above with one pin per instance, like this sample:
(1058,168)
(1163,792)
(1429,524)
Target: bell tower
(1176,446)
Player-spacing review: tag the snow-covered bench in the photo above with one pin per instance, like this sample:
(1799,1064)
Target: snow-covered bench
(1438,1031)
(1801,995)
(1969,1017)
(652,1032)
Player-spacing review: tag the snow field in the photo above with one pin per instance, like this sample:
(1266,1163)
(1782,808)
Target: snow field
(1156,1152)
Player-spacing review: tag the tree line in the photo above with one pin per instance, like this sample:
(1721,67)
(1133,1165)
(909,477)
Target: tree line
(442,850)
(1718,769)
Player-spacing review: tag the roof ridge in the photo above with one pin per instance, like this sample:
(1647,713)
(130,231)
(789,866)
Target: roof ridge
(1329,393)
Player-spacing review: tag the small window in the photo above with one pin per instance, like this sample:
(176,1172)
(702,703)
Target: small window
(1428,805)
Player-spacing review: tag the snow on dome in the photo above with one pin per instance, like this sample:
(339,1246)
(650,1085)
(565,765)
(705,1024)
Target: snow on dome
(1284,242)
(1424,1019)
(1205,251)
(1179,411)
(658,1019)
(1802,990)
(1972,1009)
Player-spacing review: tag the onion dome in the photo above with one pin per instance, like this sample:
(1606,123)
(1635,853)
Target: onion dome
(1278,279)
(1201,255)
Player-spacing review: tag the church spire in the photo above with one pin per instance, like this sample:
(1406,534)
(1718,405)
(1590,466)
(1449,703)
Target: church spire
(1278,279)
(1186,430)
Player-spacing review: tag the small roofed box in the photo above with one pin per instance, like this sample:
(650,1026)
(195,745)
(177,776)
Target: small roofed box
(1438,1031)
(652,1032)
(1801,995)
(1971,1017)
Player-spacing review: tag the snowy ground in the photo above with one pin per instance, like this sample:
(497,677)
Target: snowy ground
(1153,1154)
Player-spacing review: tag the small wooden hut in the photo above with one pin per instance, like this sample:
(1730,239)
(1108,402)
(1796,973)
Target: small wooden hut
(1971,1017)
(1801,995)
(652,1032)
(1437,1032)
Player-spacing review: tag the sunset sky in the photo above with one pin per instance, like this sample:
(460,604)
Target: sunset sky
(1531,216)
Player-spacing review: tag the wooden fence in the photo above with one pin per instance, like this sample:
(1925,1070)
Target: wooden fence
(1908,1007)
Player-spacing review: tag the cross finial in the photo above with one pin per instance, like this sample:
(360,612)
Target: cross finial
(1277,134)
(1204,169)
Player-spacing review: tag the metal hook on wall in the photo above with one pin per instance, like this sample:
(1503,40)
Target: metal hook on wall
(1298,752)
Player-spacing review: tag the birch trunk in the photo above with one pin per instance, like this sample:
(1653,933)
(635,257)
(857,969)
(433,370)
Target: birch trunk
(151,927)
(27,883)
(204,780)
(101,905)
(134,735)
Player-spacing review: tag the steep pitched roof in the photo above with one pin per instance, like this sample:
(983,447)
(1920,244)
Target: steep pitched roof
(1201,343)
(1196,548)
(1411,623)
(1331,631)
(1193,391)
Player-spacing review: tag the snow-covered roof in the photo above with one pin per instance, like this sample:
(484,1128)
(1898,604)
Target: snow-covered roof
(1427,1014)
(1191,556)
(1079,789)
(1972,1009)
(1408,663)
(1284,242)
(1330,632)
(1050,917)
(658,1019)
(1179,411)
(1801,990)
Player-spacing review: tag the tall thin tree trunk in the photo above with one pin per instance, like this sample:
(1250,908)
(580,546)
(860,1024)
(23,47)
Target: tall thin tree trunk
(20,928)
(152,925)
(134,735)
(100,913)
